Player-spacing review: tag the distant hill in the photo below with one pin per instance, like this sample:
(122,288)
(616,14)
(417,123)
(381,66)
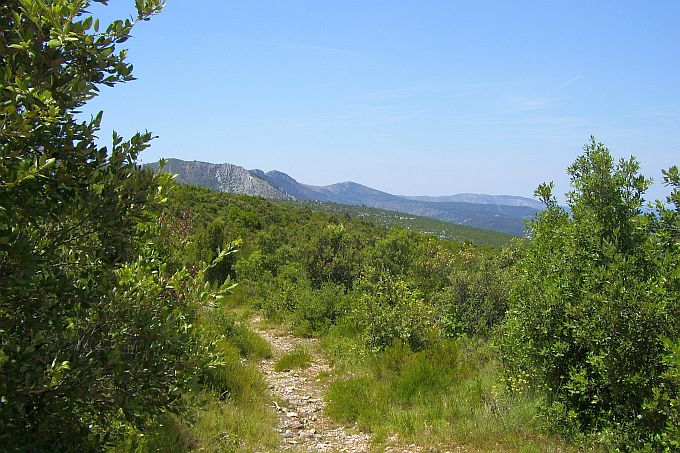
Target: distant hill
(504,200)
(439,228)
(502,213)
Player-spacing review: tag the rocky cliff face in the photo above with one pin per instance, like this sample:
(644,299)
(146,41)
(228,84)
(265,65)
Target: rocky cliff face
(223,178)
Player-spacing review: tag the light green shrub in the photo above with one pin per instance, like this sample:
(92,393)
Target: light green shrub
(389,311)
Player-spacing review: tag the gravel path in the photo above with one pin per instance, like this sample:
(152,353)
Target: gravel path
(302,423)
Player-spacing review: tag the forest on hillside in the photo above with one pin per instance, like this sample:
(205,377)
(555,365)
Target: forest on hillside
(130,305)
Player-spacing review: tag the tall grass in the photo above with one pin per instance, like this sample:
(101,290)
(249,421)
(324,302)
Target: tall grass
(224,324)
(297,358)
(449,394)
(230,411)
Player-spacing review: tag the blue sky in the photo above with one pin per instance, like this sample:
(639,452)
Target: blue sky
(412,97)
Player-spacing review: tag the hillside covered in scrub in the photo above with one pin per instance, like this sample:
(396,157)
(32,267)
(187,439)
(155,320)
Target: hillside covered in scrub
(504,214)
(430,342)
(142,315)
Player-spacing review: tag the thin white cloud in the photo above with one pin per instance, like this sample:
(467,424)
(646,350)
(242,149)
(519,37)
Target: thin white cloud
(461,89)
(569,82)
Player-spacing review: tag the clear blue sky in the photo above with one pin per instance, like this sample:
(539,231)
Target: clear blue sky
(412,97)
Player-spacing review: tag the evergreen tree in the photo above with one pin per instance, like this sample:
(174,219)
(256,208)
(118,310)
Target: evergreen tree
(596,302)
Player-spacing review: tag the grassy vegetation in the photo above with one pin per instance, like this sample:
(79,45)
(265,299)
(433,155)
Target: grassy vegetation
(389,219)
(387,305)
(231,410)
(409,320)
(451,394)
(295,359)
(245,424)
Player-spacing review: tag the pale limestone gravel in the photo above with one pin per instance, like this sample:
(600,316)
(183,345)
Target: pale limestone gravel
(302,423)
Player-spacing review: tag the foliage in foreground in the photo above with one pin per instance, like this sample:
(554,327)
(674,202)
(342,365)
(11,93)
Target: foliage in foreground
(594,319)
(231,410)
(97,336)
(446,395)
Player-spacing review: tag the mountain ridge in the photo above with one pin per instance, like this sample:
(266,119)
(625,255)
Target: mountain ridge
(505,200)
(505,213)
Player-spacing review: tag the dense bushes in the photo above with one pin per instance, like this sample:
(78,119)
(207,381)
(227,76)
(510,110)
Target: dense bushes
(97,335)
(595,307)
(315,270)
(592,325)
(476,299)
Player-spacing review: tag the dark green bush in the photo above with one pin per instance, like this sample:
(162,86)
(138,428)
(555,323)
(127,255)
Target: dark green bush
(476,299)
(97,336)
(333,256)
(207,245)
(595,299)
(318,309)
(396,252)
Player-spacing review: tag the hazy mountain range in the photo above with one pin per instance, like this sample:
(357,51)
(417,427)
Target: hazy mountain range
(493,212)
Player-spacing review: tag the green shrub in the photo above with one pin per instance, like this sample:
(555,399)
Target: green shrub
(476,300)
(278,296)
(251,268)
(395,254)
(98,336)
(389,311)
(248,343)
(333,256)
(595,298)
(208,244)
(317,309)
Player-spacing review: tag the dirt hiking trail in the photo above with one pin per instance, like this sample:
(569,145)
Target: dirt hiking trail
(302,423)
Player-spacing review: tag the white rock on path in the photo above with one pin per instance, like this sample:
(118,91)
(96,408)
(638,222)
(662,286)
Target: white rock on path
(302,423)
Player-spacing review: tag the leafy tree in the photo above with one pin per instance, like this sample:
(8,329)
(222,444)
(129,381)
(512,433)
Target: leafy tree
(390,312)
(334,256)
(596,302)
(95,338)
